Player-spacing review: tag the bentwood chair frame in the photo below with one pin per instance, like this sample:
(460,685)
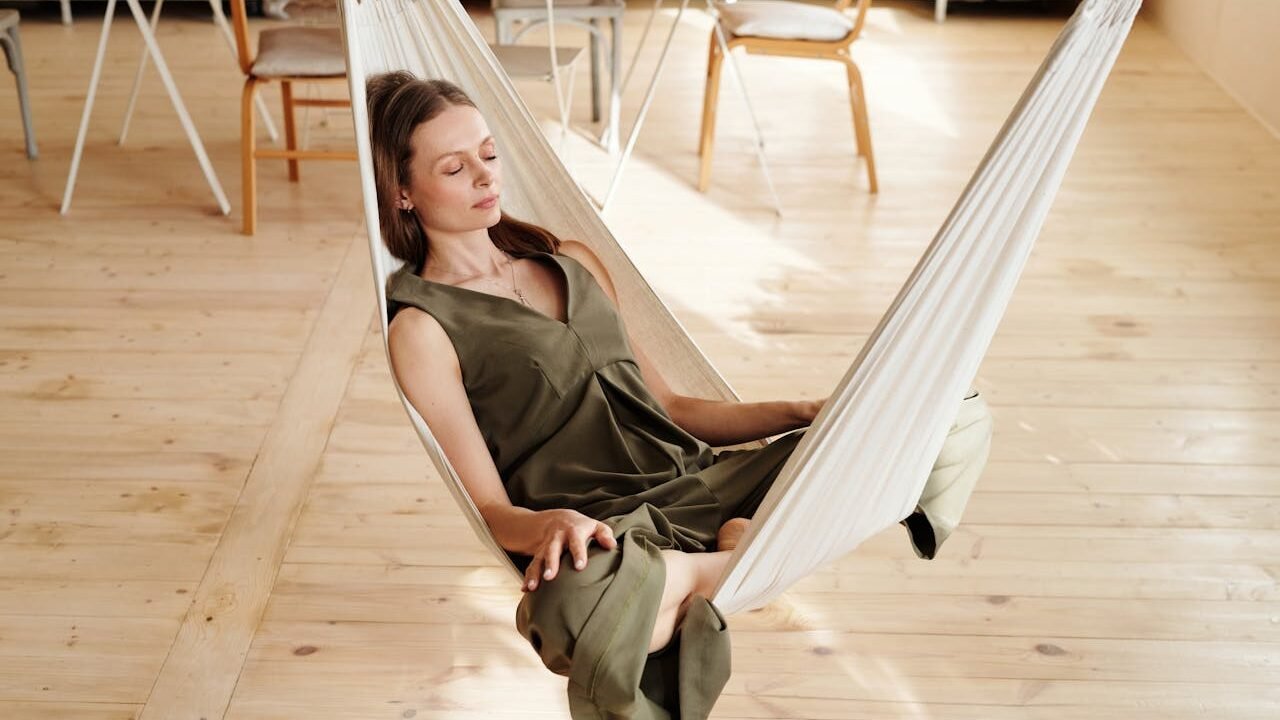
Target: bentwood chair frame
(249,152)
(837,50)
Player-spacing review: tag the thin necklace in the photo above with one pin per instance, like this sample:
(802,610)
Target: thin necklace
(491,281)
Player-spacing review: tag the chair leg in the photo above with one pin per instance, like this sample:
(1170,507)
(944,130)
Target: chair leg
(597,59)
(248,157)
(13,53)
(615,84)
(706,104)
(290,129)
(500,30)
(710,97)
(861,124)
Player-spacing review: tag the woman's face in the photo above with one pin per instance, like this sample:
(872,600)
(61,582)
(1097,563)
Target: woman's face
(455,174)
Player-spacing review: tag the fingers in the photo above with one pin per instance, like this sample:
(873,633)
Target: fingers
(552,556)
(531,574)
(578,548)
(604,536)
(546,564)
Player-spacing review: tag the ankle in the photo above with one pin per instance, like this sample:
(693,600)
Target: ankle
(708,569)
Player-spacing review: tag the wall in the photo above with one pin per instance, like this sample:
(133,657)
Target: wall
(1234,41)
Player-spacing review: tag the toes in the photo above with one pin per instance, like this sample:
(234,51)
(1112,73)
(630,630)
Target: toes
(731,532)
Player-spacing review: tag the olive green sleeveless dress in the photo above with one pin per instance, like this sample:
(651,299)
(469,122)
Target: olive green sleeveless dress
(569,422)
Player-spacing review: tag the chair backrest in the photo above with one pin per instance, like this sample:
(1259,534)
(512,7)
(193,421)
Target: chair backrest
(240,27)
(859,19)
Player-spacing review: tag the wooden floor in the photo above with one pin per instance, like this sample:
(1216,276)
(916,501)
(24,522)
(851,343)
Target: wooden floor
(215,507)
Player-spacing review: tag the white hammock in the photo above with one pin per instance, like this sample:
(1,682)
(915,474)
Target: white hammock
(862,465)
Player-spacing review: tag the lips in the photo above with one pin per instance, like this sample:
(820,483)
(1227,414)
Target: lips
(487,203)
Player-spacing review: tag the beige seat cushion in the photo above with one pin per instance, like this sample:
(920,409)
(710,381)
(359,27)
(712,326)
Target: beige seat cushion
(557,3)
(533,61)
(300,52)
(784,20)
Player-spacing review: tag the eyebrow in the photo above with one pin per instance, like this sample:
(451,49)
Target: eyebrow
(459,152)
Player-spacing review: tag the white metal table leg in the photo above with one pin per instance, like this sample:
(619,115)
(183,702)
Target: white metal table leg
(644,35)
(162,67)
(88,107)
(610,138)
(137,78)
(644,106)
(751,111)
(615,90)
(939,10)
(564,117)
(564,100)
(221,20)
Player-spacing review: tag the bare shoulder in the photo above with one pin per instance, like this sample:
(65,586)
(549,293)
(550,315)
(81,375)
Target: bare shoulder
(412,323)
(414,335)
(587,258)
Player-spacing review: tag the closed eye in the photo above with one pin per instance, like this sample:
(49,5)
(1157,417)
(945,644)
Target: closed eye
(455,172)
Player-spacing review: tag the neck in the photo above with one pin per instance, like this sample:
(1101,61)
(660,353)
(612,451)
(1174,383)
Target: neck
(464,254)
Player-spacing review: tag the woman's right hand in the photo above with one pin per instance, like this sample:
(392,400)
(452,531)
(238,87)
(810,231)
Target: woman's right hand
(561,529)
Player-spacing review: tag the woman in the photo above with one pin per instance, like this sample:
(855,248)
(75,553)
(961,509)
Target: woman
(509,343)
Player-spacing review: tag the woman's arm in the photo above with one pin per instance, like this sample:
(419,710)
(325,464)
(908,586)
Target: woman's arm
(425,363)
(726,422)
(715,422)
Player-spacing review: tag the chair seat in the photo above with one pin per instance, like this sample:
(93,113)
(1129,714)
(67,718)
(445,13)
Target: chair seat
(532,61)
(784,20)
(300,52)
(542,4)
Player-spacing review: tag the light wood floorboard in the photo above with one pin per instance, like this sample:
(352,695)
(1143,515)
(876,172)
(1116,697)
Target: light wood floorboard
(196,424)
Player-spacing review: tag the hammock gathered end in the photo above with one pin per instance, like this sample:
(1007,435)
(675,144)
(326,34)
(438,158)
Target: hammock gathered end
(864,461)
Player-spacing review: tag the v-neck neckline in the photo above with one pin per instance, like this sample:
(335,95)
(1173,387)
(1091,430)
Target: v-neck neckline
(569,306)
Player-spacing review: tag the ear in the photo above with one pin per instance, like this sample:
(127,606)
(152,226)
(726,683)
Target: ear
(403,202)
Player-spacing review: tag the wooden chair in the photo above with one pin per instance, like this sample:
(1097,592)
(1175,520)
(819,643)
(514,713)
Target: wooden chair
(12,44)
(780,27)
(289,55)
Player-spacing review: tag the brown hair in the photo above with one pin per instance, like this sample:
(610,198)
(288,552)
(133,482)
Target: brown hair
(398,103)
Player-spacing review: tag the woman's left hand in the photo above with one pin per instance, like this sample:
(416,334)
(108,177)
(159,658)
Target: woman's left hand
(807,410)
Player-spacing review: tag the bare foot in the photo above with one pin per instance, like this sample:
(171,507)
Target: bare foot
(688,574)
(731,532)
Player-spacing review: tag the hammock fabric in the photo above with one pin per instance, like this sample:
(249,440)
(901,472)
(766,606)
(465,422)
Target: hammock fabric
(863,462)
